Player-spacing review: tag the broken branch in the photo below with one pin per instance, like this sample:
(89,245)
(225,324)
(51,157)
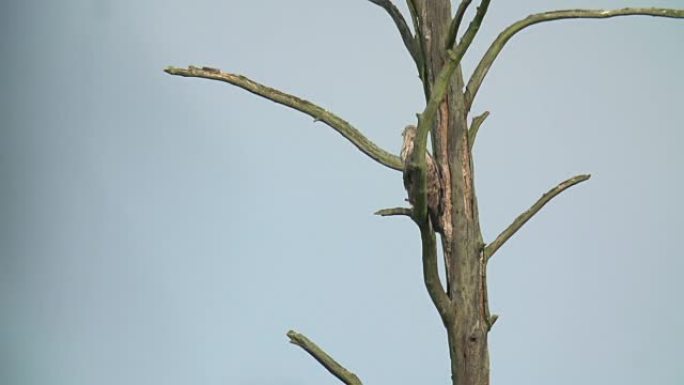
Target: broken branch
(396,211)
(323,358)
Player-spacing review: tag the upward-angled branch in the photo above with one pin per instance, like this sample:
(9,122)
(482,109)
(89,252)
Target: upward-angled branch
(470,33)
(422,61)
(402,26)
(338,124)
(488,59)
(324,359)
(527,215)
(413,10)
(475,128)
(456,23)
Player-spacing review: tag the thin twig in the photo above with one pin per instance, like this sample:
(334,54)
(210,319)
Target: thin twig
(488,59)
(456,23)
(318,113)
(395,211)
(402,26)
(475,127)
(524,217)
(324,359)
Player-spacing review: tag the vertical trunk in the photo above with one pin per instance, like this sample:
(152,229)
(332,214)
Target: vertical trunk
(462,240)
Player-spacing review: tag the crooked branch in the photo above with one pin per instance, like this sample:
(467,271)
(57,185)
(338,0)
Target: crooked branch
(524,217)
(406,35)
(488,59)
(318,113)
(323,358)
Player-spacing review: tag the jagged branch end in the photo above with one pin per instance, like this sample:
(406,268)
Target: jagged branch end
(318,113)
(323,358)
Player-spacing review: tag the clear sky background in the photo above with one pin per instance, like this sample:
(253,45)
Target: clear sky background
(164,230)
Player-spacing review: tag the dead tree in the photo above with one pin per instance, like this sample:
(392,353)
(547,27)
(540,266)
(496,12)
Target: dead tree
(437,43)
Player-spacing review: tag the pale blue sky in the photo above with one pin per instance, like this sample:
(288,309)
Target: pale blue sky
(162,230)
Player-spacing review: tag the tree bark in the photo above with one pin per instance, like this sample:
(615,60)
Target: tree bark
(437,53)
(461,239)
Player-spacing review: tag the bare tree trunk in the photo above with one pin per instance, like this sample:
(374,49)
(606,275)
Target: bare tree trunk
(462,240)
(437,52)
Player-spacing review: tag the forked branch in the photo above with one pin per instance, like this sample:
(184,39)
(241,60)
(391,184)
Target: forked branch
(318,113)
(406,35)
(456,23)
(324,359)
(470,33)
(488,59)
(524,217)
